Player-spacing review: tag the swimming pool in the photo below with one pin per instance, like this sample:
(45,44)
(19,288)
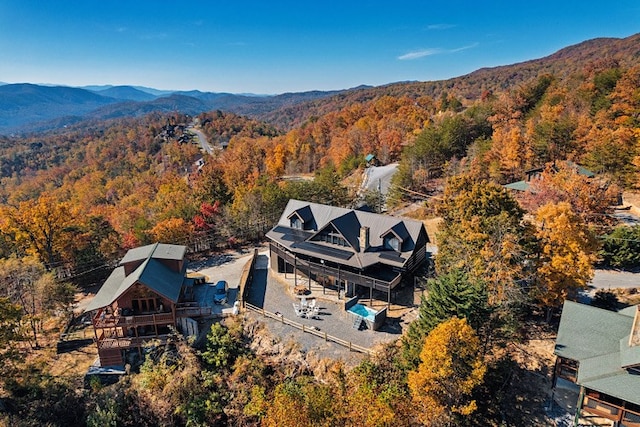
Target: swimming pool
(363,311)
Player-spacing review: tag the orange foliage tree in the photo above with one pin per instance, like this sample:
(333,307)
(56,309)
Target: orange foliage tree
(451,368)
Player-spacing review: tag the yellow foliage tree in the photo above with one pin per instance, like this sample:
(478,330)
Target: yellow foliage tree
(567,253)
(172,230)
(451,367)
(39,227)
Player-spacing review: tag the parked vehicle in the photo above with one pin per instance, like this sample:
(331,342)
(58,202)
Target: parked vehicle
(220,293)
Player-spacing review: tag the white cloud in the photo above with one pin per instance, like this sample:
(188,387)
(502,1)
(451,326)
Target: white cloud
(433,51)
(419,54)
(440,26)
(471,46)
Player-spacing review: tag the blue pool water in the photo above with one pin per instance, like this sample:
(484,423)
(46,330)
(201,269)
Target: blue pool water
(364,311)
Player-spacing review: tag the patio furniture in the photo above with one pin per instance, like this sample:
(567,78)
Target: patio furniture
(299,311)
(300,290)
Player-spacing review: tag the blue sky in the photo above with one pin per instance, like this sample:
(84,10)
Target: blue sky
(287,46)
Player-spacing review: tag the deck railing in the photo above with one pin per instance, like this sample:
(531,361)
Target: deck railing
(193,311)
(118,320)
(308,267)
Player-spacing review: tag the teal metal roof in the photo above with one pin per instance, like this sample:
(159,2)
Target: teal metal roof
(156,250)
(152,273)
(629,355)
(518,186)
(599,340)
(587,331)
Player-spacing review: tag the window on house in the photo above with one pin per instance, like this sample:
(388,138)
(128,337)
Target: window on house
(392,242)
(333,238)
(296,223)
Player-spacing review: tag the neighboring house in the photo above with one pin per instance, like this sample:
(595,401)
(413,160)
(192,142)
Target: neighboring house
(599,351)
(532,174)
(143,297)
(348,250)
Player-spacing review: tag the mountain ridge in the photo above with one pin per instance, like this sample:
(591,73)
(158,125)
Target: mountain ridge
(26,107)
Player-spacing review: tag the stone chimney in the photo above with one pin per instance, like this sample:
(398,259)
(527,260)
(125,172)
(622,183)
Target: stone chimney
(364,238)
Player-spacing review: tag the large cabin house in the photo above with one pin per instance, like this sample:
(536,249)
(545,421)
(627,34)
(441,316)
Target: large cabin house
(143,297)
(349,250)
(598,354)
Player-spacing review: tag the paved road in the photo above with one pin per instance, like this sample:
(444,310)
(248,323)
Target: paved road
(379,177)
(610,279)
(221,267)
(202,139)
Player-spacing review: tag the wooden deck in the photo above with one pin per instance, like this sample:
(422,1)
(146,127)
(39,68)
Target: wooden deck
(128,342)
(118,321)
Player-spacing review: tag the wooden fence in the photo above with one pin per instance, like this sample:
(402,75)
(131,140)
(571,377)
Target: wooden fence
(309,329)
(247,278)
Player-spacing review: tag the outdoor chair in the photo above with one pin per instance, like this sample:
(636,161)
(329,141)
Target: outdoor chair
(299,311)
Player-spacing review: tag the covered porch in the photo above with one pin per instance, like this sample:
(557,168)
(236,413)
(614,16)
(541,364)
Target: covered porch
(333,276)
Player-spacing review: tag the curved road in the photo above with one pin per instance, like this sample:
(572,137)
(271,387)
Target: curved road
(201,139)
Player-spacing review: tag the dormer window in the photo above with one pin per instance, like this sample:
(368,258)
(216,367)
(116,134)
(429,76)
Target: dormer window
(392,242)
(296,222)
(332,238)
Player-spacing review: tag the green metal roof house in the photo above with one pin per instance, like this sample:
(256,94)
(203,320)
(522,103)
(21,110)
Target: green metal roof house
(145,295)
(599,351)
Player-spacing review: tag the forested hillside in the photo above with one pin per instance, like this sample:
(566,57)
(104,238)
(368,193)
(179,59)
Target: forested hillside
(72,200)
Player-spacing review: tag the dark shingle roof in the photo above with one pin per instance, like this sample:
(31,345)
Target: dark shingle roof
(348,222)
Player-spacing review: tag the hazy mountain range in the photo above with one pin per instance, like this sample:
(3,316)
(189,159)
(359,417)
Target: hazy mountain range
(29,107)
(26,107)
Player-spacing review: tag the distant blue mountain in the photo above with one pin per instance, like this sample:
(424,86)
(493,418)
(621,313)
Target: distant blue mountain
(126,93)
(28,107)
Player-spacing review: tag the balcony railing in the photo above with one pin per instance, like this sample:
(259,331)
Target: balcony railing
(119,321)
(310,267)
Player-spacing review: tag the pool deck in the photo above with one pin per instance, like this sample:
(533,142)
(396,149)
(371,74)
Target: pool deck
(275,293)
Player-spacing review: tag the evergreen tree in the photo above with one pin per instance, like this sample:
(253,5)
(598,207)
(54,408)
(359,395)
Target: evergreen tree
(450,295)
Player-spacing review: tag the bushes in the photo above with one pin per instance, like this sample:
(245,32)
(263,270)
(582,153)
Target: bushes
(621,248)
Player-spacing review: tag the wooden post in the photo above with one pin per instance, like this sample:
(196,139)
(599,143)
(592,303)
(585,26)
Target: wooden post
(371,293)
(389,296)
(576,420)
(155,324)
(295,271)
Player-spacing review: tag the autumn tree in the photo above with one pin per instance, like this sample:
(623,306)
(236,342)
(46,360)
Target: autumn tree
(171,390)
(39,227)
(298,402)
(172,230)
(589,197)
(10,334)
(451,367)
(483,235)
(621,248)
(26,283)
(450,295)
(566,256)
